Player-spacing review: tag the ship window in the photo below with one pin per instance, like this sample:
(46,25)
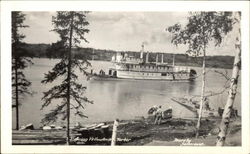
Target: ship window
(110,72)
(163,74)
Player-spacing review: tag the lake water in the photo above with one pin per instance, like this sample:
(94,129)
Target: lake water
(124,99)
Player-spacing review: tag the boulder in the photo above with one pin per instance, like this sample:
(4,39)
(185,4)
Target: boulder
(46,128)
(58,128)
(53,126)
(29,126)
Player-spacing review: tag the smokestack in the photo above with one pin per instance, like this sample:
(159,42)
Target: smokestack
(147,57)
(162,58)
(173,59)
(142,50)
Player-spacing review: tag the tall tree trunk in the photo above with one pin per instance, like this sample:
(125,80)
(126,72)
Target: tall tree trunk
(202,93)
(16,92)
(230,100)
(69,73)
(14,44)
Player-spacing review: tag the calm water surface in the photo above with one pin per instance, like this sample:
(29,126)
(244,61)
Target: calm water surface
(119,99)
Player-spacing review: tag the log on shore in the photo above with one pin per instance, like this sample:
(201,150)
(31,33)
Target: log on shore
(37,137)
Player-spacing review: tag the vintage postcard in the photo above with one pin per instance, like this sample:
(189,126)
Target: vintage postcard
(141,77)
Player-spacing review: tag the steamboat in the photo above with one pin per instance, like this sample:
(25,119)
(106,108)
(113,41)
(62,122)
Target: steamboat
(129,67)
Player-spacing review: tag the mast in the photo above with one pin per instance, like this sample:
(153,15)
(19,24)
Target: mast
(142,50)
(147,57)
(173,59)
(162,61)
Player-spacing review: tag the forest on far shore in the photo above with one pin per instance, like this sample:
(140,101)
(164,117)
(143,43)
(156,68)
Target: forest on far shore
(40,51)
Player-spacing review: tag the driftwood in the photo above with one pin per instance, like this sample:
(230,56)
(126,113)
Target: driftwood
(194,107)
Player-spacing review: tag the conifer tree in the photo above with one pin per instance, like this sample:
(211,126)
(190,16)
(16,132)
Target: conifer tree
(20,85)
(70,26)
(201,29)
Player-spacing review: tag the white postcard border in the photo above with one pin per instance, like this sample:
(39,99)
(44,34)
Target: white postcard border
(8,6)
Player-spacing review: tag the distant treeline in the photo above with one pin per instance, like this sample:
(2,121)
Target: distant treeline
(40,50)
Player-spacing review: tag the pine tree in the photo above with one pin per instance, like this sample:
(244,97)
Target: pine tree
(201,29)
(20,85)
(71,28)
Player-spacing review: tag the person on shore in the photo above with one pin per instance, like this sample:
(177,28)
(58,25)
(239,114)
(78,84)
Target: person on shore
(102,72)
(155,108)
(207,107)
(152,110)
(158,116)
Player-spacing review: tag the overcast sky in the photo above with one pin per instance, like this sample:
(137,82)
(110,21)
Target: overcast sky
(122,31)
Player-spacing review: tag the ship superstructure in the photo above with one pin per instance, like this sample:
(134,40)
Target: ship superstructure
(129,67)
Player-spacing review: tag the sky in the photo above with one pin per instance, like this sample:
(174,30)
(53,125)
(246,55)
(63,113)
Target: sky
(123,31)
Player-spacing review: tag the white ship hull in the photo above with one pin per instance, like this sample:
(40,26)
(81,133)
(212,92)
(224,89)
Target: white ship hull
(151,75)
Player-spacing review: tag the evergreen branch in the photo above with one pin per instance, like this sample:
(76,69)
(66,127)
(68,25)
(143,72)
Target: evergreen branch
(53,115)
(58,70)
(55,92)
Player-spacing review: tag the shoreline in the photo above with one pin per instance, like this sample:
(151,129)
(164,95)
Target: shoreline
(173,132)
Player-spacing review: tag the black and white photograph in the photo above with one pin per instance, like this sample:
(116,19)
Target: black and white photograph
(126,78)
